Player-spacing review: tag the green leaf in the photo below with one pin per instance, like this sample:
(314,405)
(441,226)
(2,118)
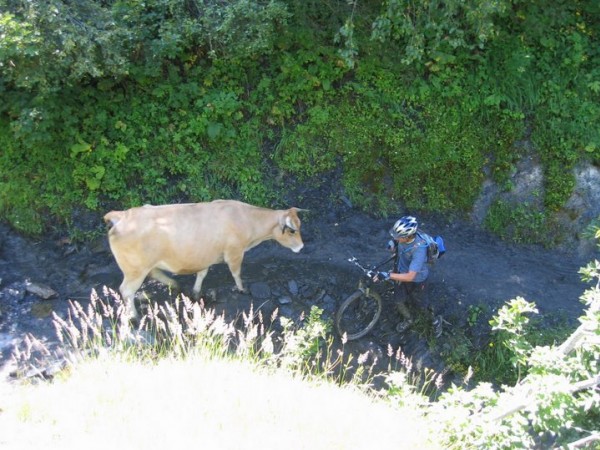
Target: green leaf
(594,86)
(214,130)
(82,147)
(93,183)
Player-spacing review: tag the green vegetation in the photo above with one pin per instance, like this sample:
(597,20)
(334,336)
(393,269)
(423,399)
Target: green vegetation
(115,104)
(521,223)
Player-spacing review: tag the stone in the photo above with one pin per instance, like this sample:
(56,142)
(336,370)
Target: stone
(41,290)
(293,287)
(285,300)
(260,290)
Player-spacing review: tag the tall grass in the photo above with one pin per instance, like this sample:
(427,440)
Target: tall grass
(186,376)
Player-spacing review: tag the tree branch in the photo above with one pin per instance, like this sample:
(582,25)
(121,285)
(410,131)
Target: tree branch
(574,341)
(584,442)
(528,401)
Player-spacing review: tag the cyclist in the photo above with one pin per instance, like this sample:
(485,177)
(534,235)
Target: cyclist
(410,272)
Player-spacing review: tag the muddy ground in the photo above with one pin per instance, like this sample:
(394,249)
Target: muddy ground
(478,271)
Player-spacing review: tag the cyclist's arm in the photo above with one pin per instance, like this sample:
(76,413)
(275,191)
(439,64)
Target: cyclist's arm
(418,260)
(403,277)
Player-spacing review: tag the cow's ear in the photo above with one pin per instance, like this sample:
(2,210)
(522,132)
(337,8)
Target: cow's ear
(282,223)
(289,220)
(286,222)
(289,223)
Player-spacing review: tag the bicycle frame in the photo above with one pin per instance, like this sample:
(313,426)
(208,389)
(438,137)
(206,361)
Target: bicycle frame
(365,285)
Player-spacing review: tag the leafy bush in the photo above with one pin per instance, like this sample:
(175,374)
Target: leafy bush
(120,103)
(522,223)
(556,404)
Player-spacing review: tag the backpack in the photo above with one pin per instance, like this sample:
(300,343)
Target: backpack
(435,246)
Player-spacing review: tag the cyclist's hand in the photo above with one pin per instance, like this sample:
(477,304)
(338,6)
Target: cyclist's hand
(382,276)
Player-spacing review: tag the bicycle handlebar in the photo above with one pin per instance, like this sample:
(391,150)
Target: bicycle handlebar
(366,270)
(369,272)
(354,260)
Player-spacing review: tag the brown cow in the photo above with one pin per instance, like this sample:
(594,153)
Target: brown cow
(189,238)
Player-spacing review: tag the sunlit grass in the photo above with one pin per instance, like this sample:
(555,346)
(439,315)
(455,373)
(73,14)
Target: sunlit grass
(203,403)
(186,377)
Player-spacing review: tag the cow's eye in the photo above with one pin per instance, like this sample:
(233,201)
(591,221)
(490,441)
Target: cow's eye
(292,231)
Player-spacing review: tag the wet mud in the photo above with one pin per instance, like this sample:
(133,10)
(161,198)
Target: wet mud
(477,271)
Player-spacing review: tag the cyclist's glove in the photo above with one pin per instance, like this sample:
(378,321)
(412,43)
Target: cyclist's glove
(383,275)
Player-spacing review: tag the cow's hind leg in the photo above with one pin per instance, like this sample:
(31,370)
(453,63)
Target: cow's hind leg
(198,284)
(131,283)
(159,275)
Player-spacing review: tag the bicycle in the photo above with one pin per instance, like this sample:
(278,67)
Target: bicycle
(359,313)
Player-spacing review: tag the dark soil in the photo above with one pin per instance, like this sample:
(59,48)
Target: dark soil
(478,270)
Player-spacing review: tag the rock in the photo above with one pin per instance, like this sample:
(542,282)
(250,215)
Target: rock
(293,287)
(582,208)
(41,290)
(527,181)
(285,300)
(309,292)
(260,290)
(41,309)
(93,270)
(286,311)
(320,296)
(329,304)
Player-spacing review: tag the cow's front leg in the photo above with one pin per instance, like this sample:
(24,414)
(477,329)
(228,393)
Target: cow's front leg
(198,284)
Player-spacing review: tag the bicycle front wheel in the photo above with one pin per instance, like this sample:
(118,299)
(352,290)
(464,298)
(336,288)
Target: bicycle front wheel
(358,314)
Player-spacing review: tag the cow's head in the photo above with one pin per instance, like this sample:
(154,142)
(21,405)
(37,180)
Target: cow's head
(289,235)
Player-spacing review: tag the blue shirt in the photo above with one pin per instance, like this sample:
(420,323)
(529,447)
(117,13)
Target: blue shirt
(413,258)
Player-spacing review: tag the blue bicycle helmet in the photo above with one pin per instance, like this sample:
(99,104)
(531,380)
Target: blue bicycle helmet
(405,226)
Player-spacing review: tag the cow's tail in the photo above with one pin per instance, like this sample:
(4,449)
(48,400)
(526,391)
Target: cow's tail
(111,219)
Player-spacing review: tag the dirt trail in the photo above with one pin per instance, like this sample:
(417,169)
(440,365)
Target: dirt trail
(477,270)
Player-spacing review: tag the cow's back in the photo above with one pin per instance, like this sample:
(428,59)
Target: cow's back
(181,238)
